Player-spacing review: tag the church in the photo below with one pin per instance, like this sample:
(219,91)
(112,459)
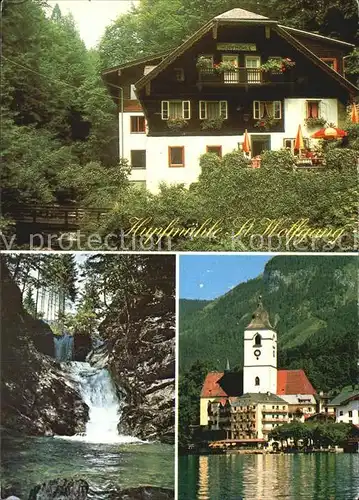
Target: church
(248,405)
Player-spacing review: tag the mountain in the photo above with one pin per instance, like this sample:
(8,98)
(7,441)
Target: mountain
(311,301)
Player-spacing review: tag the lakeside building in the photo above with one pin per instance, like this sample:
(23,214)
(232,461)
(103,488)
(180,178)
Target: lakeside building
(240,71)
(346,405)
(248,405)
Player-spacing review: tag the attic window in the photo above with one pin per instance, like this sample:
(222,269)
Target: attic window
(179,74)
(332,62)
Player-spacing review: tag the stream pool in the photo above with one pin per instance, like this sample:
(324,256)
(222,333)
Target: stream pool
(28,461)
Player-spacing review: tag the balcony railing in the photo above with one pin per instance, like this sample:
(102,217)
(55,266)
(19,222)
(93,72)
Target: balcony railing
(242,76)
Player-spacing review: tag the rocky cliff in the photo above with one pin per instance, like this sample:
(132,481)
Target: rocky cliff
(36,397)
(141,344)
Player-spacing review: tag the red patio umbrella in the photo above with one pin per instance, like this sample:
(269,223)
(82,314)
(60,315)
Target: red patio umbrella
(246,146)
(329,133)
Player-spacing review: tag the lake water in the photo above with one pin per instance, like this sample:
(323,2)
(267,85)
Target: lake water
(30,461)
(317,476)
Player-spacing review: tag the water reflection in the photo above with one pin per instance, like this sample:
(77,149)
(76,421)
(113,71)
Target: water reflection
(203,490)
(238,477)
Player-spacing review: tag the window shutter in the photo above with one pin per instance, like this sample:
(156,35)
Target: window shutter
(165,110)
(277,109)
(186,110)
(256,110)
(223,109)
(202,110)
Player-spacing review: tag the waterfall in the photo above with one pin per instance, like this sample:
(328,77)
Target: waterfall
(64,346)
(98,391)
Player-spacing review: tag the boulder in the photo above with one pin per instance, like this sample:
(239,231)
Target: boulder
(82,346)
(60,489)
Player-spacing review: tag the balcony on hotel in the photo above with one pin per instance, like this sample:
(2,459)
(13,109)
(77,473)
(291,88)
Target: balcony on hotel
(243,76)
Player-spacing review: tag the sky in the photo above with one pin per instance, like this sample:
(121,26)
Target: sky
(207,277)
(92,16)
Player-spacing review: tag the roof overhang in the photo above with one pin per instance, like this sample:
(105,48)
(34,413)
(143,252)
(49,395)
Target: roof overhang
(316,60)
(317,36)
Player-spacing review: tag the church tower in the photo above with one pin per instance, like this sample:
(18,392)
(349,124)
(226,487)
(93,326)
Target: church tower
(260,354)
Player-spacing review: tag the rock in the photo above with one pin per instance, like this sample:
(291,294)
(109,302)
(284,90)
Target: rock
(60,489)
(144,493)
(82,346)
(43,402)
(141,345)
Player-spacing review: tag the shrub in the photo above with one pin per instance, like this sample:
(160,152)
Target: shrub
(277,159)
(236,159)
(341,159)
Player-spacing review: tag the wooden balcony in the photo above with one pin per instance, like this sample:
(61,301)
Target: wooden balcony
(242,76)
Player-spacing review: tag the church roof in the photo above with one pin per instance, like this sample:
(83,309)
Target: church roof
(211,387)
(293,382)
(260,319)
(222,385)
(240,15)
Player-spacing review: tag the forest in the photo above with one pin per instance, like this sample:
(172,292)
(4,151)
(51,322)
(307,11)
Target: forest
(312,304)
(60,134)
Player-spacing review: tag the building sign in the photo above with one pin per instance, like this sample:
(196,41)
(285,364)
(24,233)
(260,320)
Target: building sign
(237,46)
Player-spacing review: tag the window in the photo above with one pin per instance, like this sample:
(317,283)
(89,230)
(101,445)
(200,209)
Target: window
(350,413)
(350,421)
(176,156)
(265,109)
(258,341)
(341,413)
(332,62)
(215,149)
(289,143)
(138,158)
(257,381)
(273,352)
(175,109)
(179,74)
(213,109)
(313,109)
(138,124)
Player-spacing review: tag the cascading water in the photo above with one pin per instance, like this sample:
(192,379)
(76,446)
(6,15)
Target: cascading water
(98,392)
(64,347)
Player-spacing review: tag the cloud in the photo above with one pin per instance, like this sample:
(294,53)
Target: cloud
(209,271)
(201,285)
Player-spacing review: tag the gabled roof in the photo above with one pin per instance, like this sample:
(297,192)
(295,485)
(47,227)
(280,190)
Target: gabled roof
(243,16)
(316,35)
(211,388)
(136,62)
(293,382)
(222,385)
(347,394)
(240,15)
